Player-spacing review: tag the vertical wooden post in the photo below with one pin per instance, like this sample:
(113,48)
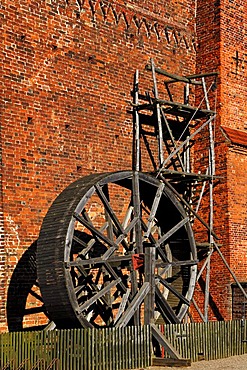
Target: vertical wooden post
(160,132)
(136,125)
(186,93)
(149,272)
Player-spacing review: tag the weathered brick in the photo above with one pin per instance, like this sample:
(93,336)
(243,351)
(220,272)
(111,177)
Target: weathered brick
(67,70)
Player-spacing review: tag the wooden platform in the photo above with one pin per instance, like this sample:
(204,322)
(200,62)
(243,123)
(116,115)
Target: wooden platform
(171,362)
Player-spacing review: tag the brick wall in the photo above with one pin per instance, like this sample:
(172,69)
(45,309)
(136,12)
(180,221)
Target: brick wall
(66,75)
(222,41)
(233,100)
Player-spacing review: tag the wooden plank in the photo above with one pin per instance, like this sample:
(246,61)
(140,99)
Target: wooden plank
(173,290)
(158,112)
(164,308)
(149,273)
(171,231)
(134,305)
(164,343)
(94,231)
(171,362)
(137,211)
(154,208)
(136,159)
(98,295)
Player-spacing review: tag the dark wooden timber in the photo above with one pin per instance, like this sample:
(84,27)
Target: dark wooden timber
(98,295)
(171,232)
(170,362)
(174,77)
(172,289)
(149,271)
(165,343)
(134,306)
(164,308)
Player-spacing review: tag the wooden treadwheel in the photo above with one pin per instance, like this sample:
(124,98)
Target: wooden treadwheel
(95,248)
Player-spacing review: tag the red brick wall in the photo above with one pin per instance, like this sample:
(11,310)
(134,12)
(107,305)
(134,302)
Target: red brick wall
(222,41)
(233,100)
(66,76)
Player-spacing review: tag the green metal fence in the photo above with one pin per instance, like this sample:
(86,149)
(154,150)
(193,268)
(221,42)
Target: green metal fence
(84,349)
(208,341)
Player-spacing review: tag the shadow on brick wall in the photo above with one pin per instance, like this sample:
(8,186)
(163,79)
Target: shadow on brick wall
(25,308)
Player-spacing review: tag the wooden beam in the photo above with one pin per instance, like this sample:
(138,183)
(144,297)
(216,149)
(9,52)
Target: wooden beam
(94,231)
(122,305)
(172,231)
(137,211)
(180,197)
(176,263)
(134,305)
(162,72)
(98,295)
(165,343)
(166,311)
(200,75)
(99,261)
(149,273)
(136,160)
(154,208)
(170,362)
(158,112)
(173,290)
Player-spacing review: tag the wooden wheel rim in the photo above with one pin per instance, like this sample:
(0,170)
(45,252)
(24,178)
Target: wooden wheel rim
(56,245)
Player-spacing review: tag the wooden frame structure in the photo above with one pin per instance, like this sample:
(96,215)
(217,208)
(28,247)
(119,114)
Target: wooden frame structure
(176,126)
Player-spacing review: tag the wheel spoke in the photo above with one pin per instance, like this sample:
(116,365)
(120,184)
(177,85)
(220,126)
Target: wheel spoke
(154,209)
(134,305)
(137,211)
(94,231)
(172,289)
(115,260)
(109,209)
(35,295)
(122,305)
(166,311)
(98,295)
(35,310)
(172,231)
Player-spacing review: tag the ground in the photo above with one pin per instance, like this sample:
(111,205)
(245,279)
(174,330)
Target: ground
(230,363)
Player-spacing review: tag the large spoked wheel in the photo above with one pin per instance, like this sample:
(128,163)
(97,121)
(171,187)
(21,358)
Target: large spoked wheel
(92,251)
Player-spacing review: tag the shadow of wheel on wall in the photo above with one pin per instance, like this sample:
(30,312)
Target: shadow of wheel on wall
(25,307)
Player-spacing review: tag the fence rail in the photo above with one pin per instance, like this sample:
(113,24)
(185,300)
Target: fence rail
(209,341)
(84,349)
